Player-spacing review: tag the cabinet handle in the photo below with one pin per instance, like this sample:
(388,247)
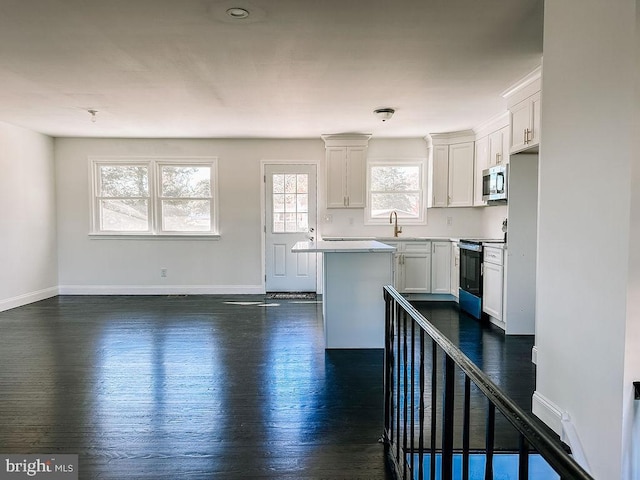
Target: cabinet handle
(498,158)
(525,136)
(344,201)
(529,135)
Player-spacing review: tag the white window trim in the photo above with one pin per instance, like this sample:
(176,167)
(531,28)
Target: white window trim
(153,164)
(422,164)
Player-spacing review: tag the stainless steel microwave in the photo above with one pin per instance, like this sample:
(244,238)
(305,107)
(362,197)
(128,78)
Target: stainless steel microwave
(494,183)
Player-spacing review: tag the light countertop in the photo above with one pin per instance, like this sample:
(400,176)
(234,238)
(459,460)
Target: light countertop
(337,246)
(391,239)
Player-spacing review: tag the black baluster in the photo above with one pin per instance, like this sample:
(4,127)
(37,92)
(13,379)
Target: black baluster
(447,418)
(405,394)
(413,396)
(491,421)
(465,428)
(434,403)
(421,415)
(523,458)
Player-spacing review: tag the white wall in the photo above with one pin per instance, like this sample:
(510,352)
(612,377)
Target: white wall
(631,407)
(28,251)
(584,211)
(232,264)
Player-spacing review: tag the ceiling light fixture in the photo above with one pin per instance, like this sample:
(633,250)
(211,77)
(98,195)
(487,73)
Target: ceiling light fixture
(384,114)
(93,112)
(238,13)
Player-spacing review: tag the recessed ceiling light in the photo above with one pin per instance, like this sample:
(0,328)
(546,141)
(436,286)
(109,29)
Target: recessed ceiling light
(238,13)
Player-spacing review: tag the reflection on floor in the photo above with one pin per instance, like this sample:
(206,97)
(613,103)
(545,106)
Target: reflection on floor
(208,387)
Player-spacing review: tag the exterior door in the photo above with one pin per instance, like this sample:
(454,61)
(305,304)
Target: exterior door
(290,217)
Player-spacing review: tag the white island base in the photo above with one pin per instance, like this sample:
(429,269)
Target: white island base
(355,273)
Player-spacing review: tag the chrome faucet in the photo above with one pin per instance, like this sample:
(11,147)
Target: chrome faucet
(396,229)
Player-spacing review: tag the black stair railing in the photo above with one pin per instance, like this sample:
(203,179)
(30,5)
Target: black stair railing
(420,419)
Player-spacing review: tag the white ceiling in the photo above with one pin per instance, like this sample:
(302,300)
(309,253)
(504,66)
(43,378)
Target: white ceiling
(293,69)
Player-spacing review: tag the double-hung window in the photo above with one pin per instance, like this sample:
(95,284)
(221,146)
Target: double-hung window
(168,196)
(396,185)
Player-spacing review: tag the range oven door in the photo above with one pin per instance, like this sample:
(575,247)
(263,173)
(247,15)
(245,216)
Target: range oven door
(470,271)
(470,292)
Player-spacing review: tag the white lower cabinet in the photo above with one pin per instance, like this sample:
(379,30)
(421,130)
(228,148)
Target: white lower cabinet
(455,269)
(441,267)
(493,282)
(413,267)
(423,267)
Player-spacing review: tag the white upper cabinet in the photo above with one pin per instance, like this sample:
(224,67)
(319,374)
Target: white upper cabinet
(499,147)
(523,102)
(451,170)
(461,175)
(525,124)
(439,177)
(481,163)
(346,164)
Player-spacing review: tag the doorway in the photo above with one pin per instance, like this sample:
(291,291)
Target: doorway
(290,217)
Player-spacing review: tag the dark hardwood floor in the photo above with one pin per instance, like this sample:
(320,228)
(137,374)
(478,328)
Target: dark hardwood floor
(203,387)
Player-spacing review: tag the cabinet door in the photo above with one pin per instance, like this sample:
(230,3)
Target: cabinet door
(534,137)
(441,267)
(461,175)
(440,176)
(520,115)
(416,269)
(492,290)
(506,144)
(525,124)
(336,177)
(455,269)
(481,163)
(496,155)
(356,174)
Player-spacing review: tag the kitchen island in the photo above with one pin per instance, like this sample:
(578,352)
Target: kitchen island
(353,277)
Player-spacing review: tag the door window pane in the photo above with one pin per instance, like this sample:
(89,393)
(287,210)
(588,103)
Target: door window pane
(290,203)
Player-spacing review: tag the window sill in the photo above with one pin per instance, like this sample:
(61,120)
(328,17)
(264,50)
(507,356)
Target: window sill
(154,236)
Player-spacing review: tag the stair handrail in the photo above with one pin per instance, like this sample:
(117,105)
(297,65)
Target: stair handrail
(550,449)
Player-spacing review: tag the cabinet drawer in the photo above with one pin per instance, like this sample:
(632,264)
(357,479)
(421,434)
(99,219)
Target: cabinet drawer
(421,247)
(493,255)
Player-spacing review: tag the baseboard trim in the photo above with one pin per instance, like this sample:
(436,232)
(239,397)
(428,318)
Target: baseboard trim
(547,411)
(161,290)
(27,298)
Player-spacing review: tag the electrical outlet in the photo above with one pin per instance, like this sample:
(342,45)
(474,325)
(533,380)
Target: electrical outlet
(328,218)
(163,272)
(449,221)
